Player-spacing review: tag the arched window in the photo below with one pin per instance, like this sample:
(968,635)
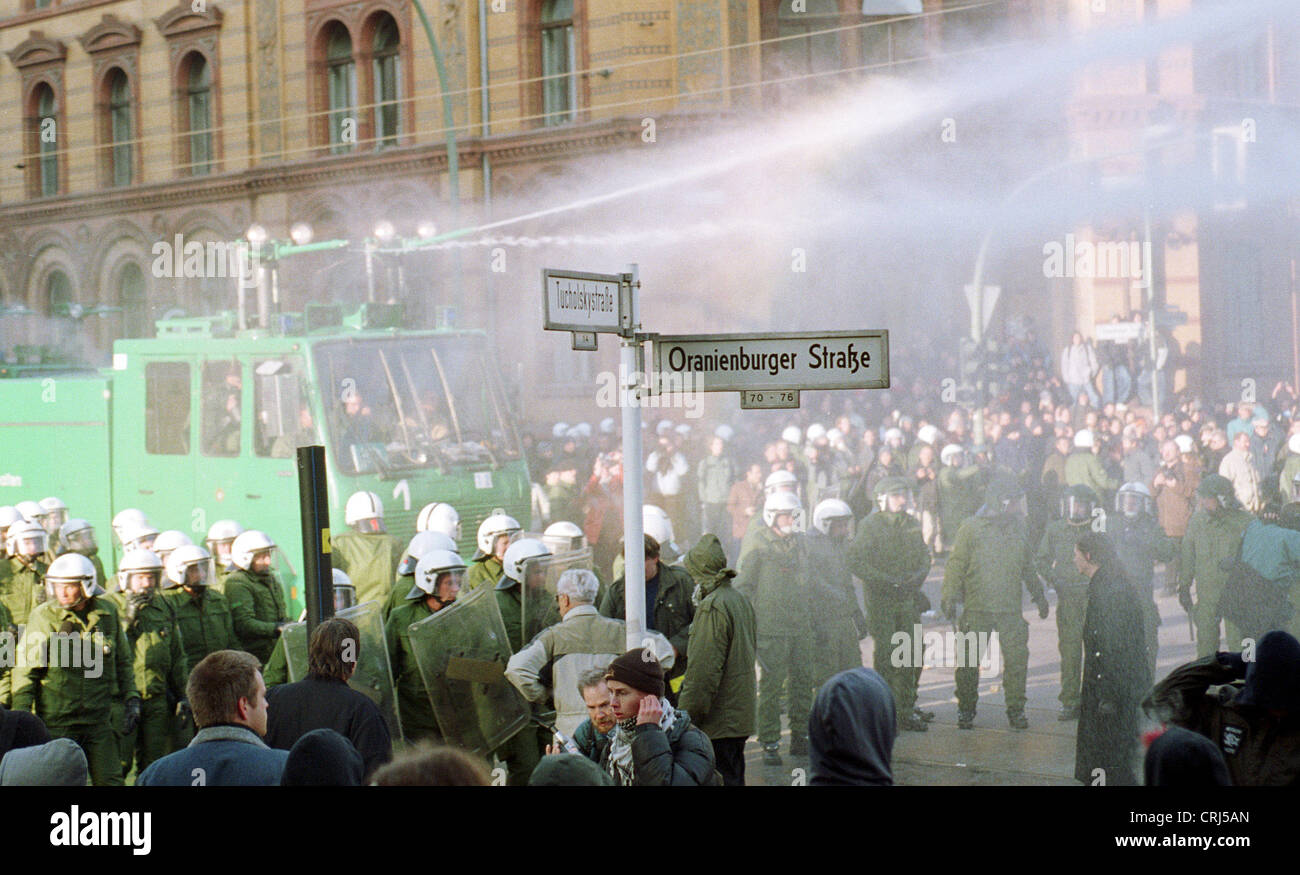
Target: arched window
(559,85)
(131,298)
(198,108)
(47,136)
(58,294)
(119,128)
(388,89)
(341,82)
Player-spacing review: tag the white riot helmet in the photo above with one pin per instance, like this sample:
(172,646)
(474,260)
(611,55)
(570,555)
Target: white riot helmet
(139,562)
(56,513)
(1293,444)
(498,523)
(168,541)
(951,452)
(433,565)
(1083,439)
(139,537)
(829,511)
(248,545)
(363,507)
(73,568)
(32,512)
(78,536)
(792,435)
(1132,499)
(184,558)
(345,594)
(607,425)
(724,431)
(1184,443)
(815,432)
(26,538)
(894,437)
(781,481)
(221,535)
(928,434)
(779,503)
(657,524)
(559,429)
(520,555)
(131,518)
(439,517)
(564,537)
(8,516)
(422,544)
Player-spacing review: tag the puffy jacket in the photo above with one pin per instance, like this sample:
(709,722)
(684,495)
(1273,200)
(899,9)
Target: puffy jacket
(158,655)
(551,663)
(774,578)
(673,609)
(989,563)
(720,688)
(680,757)
(1211,538)
(1273,551)
(204,623)
(57,687)
(256,606)
(591,743)
(370,560)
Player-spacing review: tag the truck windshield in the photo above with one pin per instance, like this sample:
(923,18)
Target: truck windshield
(399,403)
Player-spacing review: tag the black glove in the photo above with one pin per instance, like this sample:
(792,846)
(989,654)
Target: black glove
(131,717)
(1043,607)
(1233,663)
(1185,599)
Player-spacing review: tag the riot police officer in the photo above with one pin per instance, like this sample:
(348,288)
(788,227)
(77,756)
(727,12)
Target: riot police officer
(1140,544)
(56,514)
(368,553)
(778,481)
(257,608)
(23,588)
(991,560)
(838,623)
(495,534)
(76,663)
(422,543)
(890,556)
(1214,534)
(1054,561)
(221,535)
(78,536)
(158,657)
(439,516)
(202,614)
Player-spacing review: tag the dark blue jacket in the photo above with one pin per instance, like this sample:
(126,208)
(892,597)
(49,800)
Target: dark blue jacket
(225,755)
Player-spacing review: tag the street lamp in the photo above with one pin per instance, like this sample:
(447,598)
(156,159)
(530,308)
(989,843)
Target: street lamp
(300,233)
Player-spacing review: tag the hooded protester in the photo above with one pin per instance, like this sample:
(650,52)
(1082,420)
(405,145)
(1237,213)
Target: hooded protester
(323,758)
(1182,759)
(851,731)
(567,770)
(1255,724)
(57,763)
(653,744)
(21,729)
(1115,668)
(720,689)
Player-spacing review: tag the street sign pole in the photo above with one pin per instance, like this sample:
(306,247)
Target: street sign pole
(633,463)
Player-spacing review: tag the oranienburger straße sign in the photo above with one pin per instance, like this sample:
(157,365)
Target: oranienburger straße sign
(792,360)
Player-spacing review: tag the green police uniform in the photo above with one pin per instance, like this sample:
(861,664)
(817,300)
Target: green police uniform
(256,610)
(205,627)
(890,556)
(1055,562)
(482,571)
(837,621)
(1141,543)
(1211,537)
(8,654)
(413,702)
(773,577)
(22,588)
(74,667)
(370,560)
(990,562)
(1083,468)
(960,495)
(160,673)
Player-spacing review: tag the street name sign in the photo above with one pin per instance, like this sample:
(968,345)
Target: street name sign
(772,361)
(577,301)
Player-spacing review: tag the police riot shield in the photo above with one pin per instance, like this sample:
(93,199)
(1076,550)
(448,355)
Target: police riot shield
(462,653)
(373,677)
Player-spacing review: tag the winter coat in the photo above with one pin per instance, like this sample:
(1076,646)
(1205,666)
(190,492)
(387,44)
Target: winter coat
(51,679)
(742,497)
(989,564)
(1140,544)
(481,571)
(158,654)
(1115,678)
(297,709)
(961,492)
(256,607)
(1084,468)
(369,559)
(1055,557)
(228,755)
(549,666)
(1240,469)
(851,731)
(22,587)
(1261,749)
(591,743)
(1174,503)
(1273,551)
(774,578)
(682,756)
(837,621)
(1078,363)
(673,611)
(323,758)
(204,623)
(720,688)
(714,476)
(1211,538)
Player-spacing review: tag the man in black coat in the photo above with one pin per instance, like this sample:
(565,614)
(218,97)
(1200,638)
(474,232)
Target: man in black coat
(1115,669)
(325,701)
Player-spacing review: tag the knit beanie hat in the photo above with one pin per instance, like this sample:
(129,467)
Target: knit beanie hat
(639,670)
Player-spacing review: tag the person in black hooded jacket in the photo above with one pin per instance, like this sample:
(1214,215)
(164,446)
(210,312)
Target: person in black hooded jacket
(851,731)
(323,758)
(1182,758)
